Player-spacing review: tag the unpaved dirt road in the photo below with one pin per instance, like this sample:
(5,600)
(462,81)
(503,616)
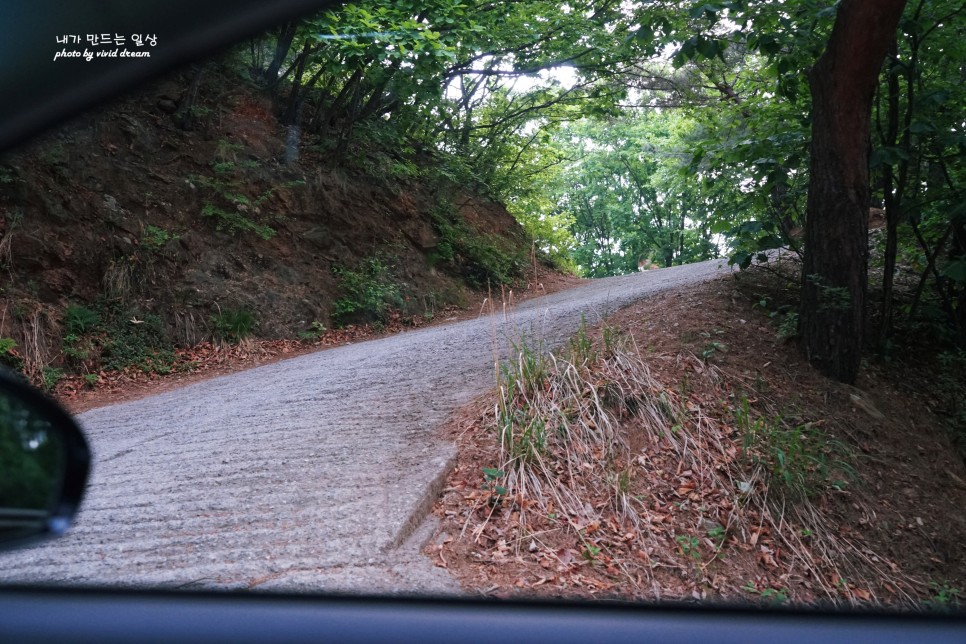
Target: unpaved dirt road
(314,473)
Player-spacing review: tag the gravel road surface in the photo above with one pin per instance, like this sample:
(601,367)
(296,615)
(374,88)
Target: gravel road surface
(310,474)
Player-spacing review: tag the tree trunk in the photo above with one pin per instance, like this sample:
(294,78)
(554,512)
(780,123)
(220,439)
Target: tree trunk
(890,201)
(834,278)
(282,46)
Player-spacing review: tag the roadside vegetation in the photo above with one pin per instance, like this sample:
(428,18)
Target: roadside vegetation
(681,450)
(378,167)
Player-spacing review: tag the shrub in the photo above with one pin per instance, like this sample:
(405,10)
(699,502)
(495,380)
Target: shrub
(369,291)
(134,339)
(8,355)
(79,320)
(154,238)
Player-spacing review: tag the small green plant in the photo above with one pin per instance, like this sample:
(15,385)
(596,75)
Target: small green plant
(712,348)
(233,325)
(51,376)
(491,478)
(484,259)
(788,328)
(234,222)
(315,331)
(131,338)
(717,534)
(591,552)
(772,595)
(369,292)
(8,354)
(79,320)
(522,429)
(689,546)
(830,298)
(76,349)
(945,596)
(581,347)
(801,460)
(228,205)
(154,238)
(91,379)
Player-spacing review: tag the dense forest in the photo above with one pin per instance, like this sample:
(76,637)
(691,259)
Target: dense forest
(627,136)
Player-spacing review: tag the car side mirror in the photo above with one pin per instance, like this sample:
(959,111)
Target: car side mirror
(44,463)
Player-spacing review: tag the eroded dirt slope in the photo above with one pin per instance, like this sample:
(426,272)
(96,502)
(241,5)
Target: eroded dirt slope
(126,214)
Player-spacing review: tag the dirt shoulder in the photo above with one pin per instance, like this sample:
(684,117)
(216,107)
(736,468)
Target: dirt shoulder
(882,522)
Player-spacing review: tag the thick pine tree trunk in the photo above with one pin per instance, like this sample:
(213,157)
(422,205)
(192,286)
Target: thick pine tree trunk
(834,276)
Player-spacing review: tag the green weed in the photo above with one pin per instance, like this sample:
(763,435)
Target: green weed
(711,348)
(945,597)
(79,319)
(233,325)
(800,460)
(51,376)
(581,347)
(591,552)
(315,331)
(830,298)
(228,205)
(772,595)
(369,292)
(155,238)
(234,221)
(491,478)
(689,546)
(8,354)
(788,327)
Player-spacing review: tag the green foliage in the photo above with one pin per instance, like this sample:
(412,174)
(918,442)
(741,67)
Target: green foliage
(771,595)
(689,545)
(134,339)
(835,298)
(581,348)
(114,337)
(234,221)
(233,325)
(51,376)
(369,291)
(945,597)
(155,238)
(521,427)
(491,478)
(801,460)
(8,354)
(80,319)
(315,331)
(484,260)
(711,348)
(229,205)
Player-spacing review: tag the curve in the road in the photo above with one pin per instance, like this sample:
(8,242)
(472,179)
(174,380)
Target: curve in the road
(306,474)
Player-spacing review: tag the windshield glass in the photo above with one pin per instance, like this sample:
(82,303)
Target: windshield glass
(512,299)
